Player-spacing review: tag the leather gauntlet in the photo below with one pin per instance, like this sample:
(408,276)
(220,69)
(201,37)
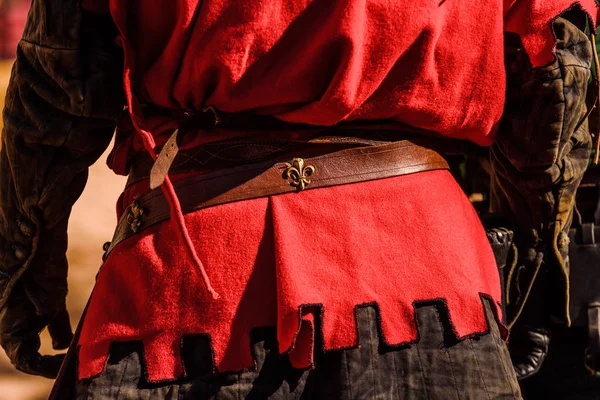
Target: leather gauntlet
(62,104)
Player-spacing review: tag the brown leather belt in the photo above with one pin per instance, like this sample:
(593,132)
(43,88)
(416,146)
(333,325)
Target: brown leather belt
(270,178)
(234,153)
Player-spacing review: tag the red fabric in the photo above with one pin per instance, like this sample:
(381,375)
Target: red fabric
(436,65)
(393,241)
(177,218)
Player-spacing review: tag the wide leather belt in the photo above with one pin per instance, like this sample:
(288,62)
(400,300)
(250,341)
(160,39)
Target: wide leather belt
(270,178)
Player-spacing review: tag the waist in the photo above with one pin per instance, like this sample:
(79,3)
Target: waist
(289,167)
(251,138)
(218,139)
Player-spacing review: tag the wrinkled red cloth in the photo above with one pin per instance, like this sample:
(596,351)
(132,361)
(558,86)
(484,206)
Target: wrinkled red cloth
(279,260)
(435,65)
(287,260)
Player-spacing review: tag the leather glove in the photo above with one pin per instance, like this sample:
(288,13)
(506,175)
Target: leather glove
(37,299)
(20,327)
(528,349)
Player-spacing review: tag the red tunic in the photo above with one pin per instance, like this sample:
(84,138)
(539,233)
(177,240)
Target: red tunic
(285,260)
(391,242)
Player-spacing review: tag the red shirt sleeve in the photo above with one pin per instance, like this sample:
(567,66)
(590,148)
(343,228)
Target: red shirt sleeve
(532,20)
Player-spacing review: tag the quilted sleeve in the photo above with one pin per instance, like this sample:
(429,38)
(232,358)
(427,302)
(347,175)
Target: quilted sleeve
(62,104)
(541,152)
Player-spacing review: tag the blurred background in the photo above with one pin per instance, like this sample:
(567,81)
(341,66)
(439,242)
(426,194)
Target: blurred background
(91,223)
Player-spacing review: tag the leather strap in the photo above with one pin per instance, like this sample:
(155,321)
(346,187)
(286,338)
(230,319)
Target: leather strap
(233,153)
(163,162)
(272,178)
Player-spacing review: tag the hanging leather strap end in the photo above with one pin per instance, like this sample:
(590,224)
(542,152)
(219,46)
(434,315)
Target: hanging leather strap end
(163,162)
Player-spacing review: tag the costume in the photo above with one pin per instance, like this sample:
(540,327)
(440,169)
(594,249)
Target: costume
(253,215)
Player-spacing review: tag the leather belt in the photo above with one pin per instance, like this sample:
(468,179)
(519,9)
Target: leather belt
(270,178)
(233,153)
(236,152)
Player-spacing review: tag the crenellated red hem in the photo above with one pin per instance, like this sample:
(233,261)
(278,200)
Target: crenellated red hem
(310,346)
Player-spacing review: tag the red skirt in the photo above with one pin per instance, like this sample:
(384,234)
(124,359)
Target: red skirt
(288,260)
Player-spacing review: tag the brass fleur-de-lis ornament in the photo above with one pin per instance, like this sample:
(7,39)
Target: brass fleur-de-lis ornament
(299,174)
(134,218)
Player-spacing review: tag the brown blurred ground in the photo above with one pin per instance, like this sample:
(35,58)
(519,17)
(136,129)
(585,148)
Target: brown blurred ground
(91,224)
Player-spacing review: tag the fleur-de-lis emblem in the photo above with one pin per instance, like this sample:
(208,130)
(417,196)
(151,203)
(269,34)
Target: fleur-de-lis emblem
(134,218)
(299,174)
